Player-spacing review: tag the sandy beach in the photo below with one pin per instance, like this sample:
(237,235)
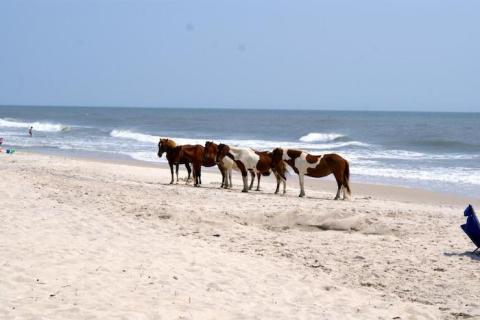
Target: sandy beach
(85,239)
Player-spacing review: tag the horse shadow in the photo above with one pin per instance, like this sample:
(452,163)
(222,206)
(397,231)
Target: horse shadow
(470,254)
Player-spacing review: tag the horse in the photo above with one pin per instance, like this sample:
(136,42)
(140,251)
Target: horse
(246,160)
(316,166)
(174,156)
(227,164)
(195,154)
(264,165)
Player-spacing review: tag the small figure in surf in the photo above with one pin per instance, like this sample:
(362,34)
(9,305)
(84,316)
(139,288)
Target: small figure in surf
(30,131)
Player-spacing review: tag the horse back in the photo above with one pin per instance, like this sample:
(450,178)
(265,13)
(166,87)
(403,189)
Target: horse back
(329,163)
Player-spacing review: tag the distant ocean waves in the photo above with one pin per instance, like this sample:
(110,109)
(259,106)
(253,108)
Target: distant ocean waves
(38,126)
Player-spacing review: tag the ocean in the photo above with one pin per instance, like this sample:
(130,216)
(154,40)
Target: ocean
(436,151)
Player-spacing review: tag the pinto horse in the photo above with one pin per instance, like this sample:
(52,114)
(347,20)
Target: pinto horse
(315,166)
(211,149)
(174,156)
(227,164)
(246,160)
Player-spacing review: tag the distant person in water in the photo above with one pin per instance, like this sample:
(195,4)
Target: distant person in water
(1,141)
(30,131)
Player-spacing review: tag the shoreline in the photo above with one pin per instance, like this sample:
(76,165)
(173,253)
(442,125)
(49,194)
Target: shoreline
(379,190)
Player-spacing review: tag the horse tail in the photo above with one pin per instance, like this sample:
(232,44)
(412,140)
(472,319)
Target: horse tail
(281,170)
(346,177)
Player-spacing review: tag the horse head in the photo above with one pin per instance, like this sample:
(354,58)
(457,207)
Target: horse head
(164,145)
(210,151)
(222,151)
(277,157)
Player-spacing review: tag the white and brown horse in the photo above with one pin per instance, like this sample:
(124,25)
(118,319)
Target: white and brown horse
(247,159)
(227,164)
(315,166)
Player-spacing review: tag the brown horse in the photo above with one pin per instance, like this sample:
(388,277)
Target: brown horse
(263,168)
(253,161)
(174,156)
(194,154)
(315,166)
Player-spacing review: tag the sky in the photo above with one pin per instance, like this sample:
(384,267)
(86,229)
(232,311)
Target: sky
(274,54)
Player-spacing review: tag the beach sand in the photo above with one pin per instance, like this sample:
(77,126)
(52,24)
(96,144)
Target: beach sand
(85,239)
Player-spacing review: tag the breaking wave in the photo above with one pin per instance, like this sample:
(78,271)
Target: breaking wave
(321,137)
(141,137)
(247,143)
(37,126)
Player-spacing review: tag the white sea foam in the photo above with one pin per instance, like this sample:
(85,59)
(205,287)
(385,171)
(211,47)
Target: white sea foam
(362,154)
(37,126)
(127,134)
(446,175)
(321,137)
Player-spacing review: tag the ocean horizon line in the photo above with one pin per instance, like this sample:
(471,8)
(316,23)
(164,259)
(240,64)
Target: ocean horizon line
(242,108)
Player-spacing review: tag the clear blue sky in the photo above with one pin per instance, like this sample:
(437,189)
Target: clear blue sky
(387,55)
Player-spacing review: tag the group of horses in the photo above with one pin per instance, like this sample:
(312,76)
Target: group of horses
(258,163)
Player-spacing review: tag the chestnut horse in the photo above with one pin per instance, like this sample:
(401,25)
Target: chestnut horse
(315,166)
(174,156)
(254,161)
(194,154)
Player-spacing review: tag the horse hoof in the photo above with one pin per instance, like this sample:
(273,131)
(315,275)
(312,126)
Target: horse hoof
(301,195)
(244,190)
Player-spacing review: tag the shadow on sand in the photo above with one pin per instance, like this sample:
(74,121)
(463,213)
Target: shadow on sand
(470,254)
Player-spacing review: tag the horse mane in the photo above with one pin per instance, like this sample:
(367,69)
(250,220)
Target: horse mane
(169,143)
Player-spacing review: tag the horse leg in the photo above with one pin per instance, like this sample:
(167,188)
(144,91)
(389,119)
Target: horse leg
(301,180)
(223,178)
(338,178)
(259,175)
(284,185)
(199,174)
(345,196)
(252,173)
(228,174)
(189,170)
(176,170)
(244,176)
(196,173)
(171,171)
(245,182)
(278,183)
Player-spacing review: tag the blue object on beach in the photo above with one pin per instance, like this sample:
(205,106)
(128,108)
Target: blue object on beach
(472,227)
